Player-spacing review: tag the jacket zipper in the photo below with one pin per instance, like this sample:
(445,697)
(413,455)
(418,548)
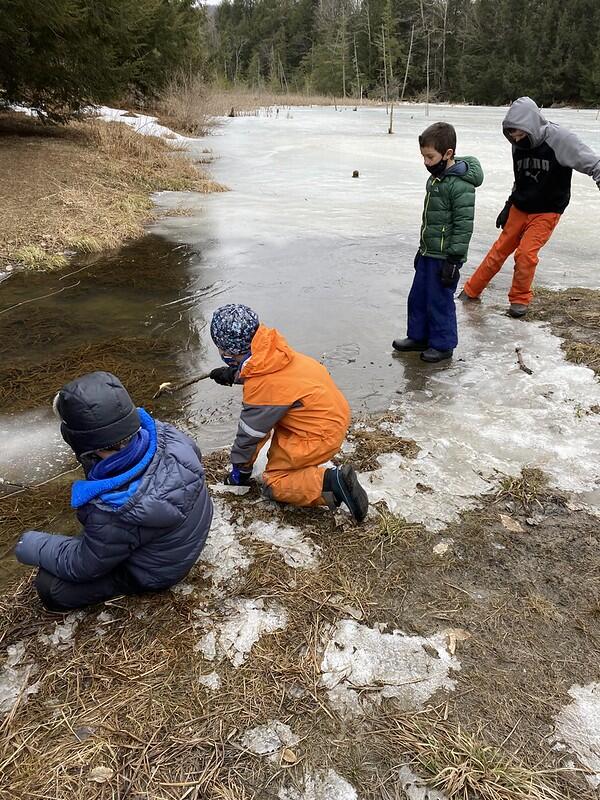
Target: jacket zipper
(442,241)
(435,180)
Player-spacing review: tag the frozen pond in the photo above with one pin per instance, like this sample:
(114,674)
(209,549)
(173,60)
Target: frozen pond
(328,259)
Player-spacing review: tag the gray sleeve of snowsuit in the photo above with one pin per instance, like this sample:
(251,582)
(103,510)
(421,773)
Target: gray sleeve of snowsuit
(255,425)
(463,215)
(571,152)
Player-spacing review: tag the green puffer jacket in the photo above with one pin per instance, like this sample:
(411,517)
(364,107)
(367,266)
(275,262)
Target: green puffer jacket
(449,211)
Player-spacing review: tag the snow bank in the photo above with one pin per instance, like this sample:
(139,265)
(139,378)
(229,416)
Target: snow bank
(141,123)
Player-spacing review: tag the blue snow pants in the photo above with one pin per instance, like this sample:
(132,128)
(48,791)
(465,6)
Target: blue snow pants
(431,309)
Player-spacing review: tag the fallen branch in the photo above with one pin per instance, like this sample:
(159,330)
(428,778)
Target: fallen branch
(522,364)
(169,388)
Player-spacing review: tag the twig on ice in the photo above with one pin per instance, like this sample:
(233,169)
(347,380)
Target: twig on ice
(522,364)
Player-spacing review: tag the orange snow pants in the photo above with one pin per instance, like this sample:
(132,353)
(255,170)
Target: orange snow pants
(293,473)
(524,235)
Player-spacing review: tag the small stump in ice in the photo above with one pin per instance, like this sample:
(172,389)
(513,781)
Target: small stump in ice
(355,174)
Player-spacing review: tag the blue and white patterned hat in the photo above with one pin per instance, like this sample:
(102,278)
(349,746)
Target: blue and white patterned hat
(232,328)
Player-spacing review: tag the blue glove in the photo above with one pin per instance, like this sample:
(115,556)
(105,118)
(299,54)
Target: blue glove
(28,547)
(238,477)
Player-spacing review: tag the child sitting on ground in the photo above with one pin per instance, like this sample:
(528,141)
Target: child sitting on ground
(143,504)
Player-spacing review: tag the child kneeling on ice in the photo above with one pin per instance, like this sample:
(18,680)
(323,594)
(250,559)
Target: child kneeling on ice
(143,505)
(294,398)
(445,235)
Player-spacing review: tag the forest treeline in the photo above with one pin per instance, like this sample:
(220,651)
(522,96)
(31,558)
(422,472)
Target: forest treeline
(60,55)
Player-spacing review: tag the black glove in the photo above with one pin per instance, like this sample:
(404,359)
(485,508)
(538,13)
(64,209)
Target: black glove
(503,215)
(450,272)
(224,376)
(238,477)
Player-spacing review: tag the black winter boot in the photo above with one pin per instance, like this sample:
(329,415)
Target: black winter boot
(517,310)
(432,356)
(409,346)
(342,483)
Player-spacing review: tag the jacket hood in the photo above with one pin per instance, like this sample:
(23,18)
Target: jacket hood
(469,169)
(270,353)
(525,115)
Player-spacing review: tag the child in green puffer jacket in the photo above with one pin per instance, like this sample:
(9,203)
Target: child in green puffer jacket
(445,235)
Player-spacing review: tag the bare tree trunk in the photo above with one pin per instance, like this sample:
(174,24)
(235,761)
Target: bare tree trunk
(369,34)
(428,54)
(358,84)
(391,128)
(283,79)
(385,80)
(444,31)
(410,46)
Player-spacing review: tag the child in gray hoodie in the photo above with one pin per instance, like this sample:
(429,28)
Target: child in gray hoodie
(544,157)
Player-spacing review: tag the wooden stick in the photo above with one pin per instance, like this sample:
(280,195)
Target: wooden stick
(169,388)
(522,364)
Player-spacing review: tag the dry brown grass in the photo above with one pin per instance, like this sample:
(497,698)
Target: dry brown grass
(21,388)
(83,187)
(574,315)
(130,701)
(524,490)
(461,766)
(372,436)
(190,106)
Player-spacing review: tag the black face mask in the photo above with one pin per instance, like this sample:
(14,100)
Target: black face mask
(438,169)
(88,461)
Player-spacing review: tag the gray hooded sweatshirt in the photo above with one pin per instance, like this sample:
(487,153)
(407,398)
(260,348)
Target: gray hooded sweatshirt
(544,162)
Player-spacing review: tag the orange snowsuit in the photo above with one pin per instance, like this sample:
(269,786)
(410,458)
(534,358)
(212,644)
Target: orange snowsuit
(295,397)
(525,235)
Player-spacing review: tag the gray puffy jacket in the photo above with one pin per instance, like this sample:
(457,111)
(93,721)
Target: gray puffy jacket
(157,534)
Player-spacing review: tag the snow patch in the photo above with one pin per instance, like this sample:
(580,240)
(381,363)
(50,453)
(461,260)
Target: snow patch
(579,726)
(14,679)
(226,558)
(270,739)
(63,633)
(182,588)
(483,417)
(415,787)
(297,551)
(327,785)
(141,123)
(409,668)
(211,681)
(245,621)
(442,547)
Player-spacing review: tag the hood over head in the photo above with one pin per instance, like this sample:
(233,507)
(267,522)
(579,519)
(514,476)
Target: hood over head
(525,115)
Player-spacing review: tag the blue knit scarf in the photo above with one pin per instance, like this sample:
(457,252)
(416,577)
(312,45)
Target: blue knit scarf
(114,478)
